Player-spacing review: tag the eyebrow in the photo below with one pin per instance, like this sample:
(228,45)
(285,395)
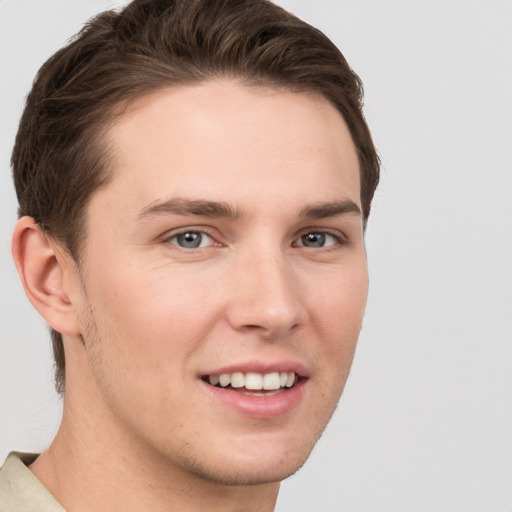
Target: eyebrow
(333,209)
(181,206)
(220,209)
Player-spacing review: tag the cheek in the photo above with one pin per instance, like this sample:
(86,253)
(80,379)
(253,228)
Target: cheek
(340,302)
(142,336)
(154,313)
(336,313)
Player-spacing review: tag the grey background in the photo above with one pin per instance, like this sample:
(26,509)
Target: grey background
(425,423)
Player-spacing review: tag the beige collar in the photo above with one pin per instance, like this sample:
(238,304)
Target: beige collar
(20,490)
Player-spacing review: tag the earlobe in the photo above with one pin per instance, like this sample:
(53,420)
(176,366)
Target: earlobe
(48,276)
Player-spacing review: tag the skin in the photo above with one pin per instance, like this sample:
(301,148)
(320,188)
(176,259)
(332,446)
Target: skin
(139,427)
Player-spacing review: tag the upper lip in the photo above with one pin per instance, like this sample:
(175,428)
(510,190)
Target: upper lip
(262,367)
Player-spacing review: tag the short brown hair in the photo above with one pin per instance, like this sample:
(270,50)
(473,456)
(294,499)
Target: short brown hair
(58,159)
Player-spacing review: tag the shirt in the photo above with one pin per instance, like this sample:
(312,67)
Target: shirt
(20,490)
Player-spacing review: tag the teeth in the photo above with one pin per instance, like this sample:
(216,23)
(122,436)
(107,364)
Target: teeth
(290,380)
(263,393)
(237,380)
(254,381)
(271,381)
(224,379)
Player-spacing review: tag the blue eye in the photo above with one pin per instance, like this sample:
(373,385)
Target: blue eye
(191,240)
(317,240)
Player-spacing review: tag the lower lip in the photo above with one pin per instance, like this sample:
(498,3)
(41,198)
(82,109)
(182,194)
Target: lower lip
(259,407)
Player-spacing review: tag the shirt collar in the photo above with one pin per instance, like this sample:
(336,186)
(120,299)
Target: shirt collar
(21,490)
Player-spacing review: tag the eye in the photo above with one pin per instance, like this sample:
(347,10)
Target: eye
(318,240)
(191,240)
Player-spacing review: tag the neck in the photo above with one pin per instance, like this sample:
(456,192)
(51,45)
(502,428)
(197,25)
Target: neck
(94,464)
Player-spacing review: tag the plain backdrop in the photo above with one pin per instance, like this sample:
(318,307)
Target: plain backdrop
(425,423)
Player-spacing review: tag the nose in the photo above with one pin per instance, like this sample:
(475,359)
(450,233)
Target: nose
(265,297)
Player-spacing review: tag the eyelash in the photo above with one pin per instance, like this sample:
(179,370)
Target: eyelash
(340,240)
(189,231)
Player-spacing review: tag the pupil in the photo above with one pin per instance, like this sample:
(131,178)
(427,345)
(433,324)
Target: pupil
(190,240)
(314,239)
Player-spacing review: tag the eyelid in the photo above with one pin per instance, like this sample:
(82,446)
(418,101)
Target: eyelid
(340,237)
(169,235)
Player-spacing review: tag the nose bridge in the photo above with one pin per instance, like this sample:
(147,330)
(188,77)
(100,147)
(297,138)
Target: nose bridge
(265,296)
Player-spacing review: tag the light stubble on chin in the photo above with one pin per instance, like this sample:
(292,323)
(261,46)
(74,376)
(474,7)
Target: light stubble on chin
(188,459)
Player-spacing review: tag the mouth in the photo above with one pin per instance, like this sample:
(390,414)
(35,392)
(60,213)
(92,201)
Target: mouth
(253,383)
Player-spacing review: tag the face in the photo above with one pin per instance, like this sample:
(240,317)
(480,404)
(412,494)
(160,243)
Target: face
(224,278)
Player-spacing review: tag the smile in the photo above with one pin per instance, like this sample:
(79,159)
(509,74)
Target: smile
(254,384)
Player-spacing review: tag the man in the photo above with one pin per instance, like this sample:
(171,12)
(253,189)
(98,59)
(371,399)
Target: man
(194,181)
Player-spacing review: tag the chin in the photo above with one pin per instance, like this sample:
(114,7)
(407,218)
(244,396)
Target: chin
(254,462)
(241,474)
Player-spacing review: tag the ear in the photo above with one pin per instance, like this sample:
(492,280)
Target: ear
(49,276)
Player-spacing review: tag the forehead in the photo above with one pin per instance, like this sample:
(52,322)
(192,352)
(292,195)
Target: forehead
(226,141)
